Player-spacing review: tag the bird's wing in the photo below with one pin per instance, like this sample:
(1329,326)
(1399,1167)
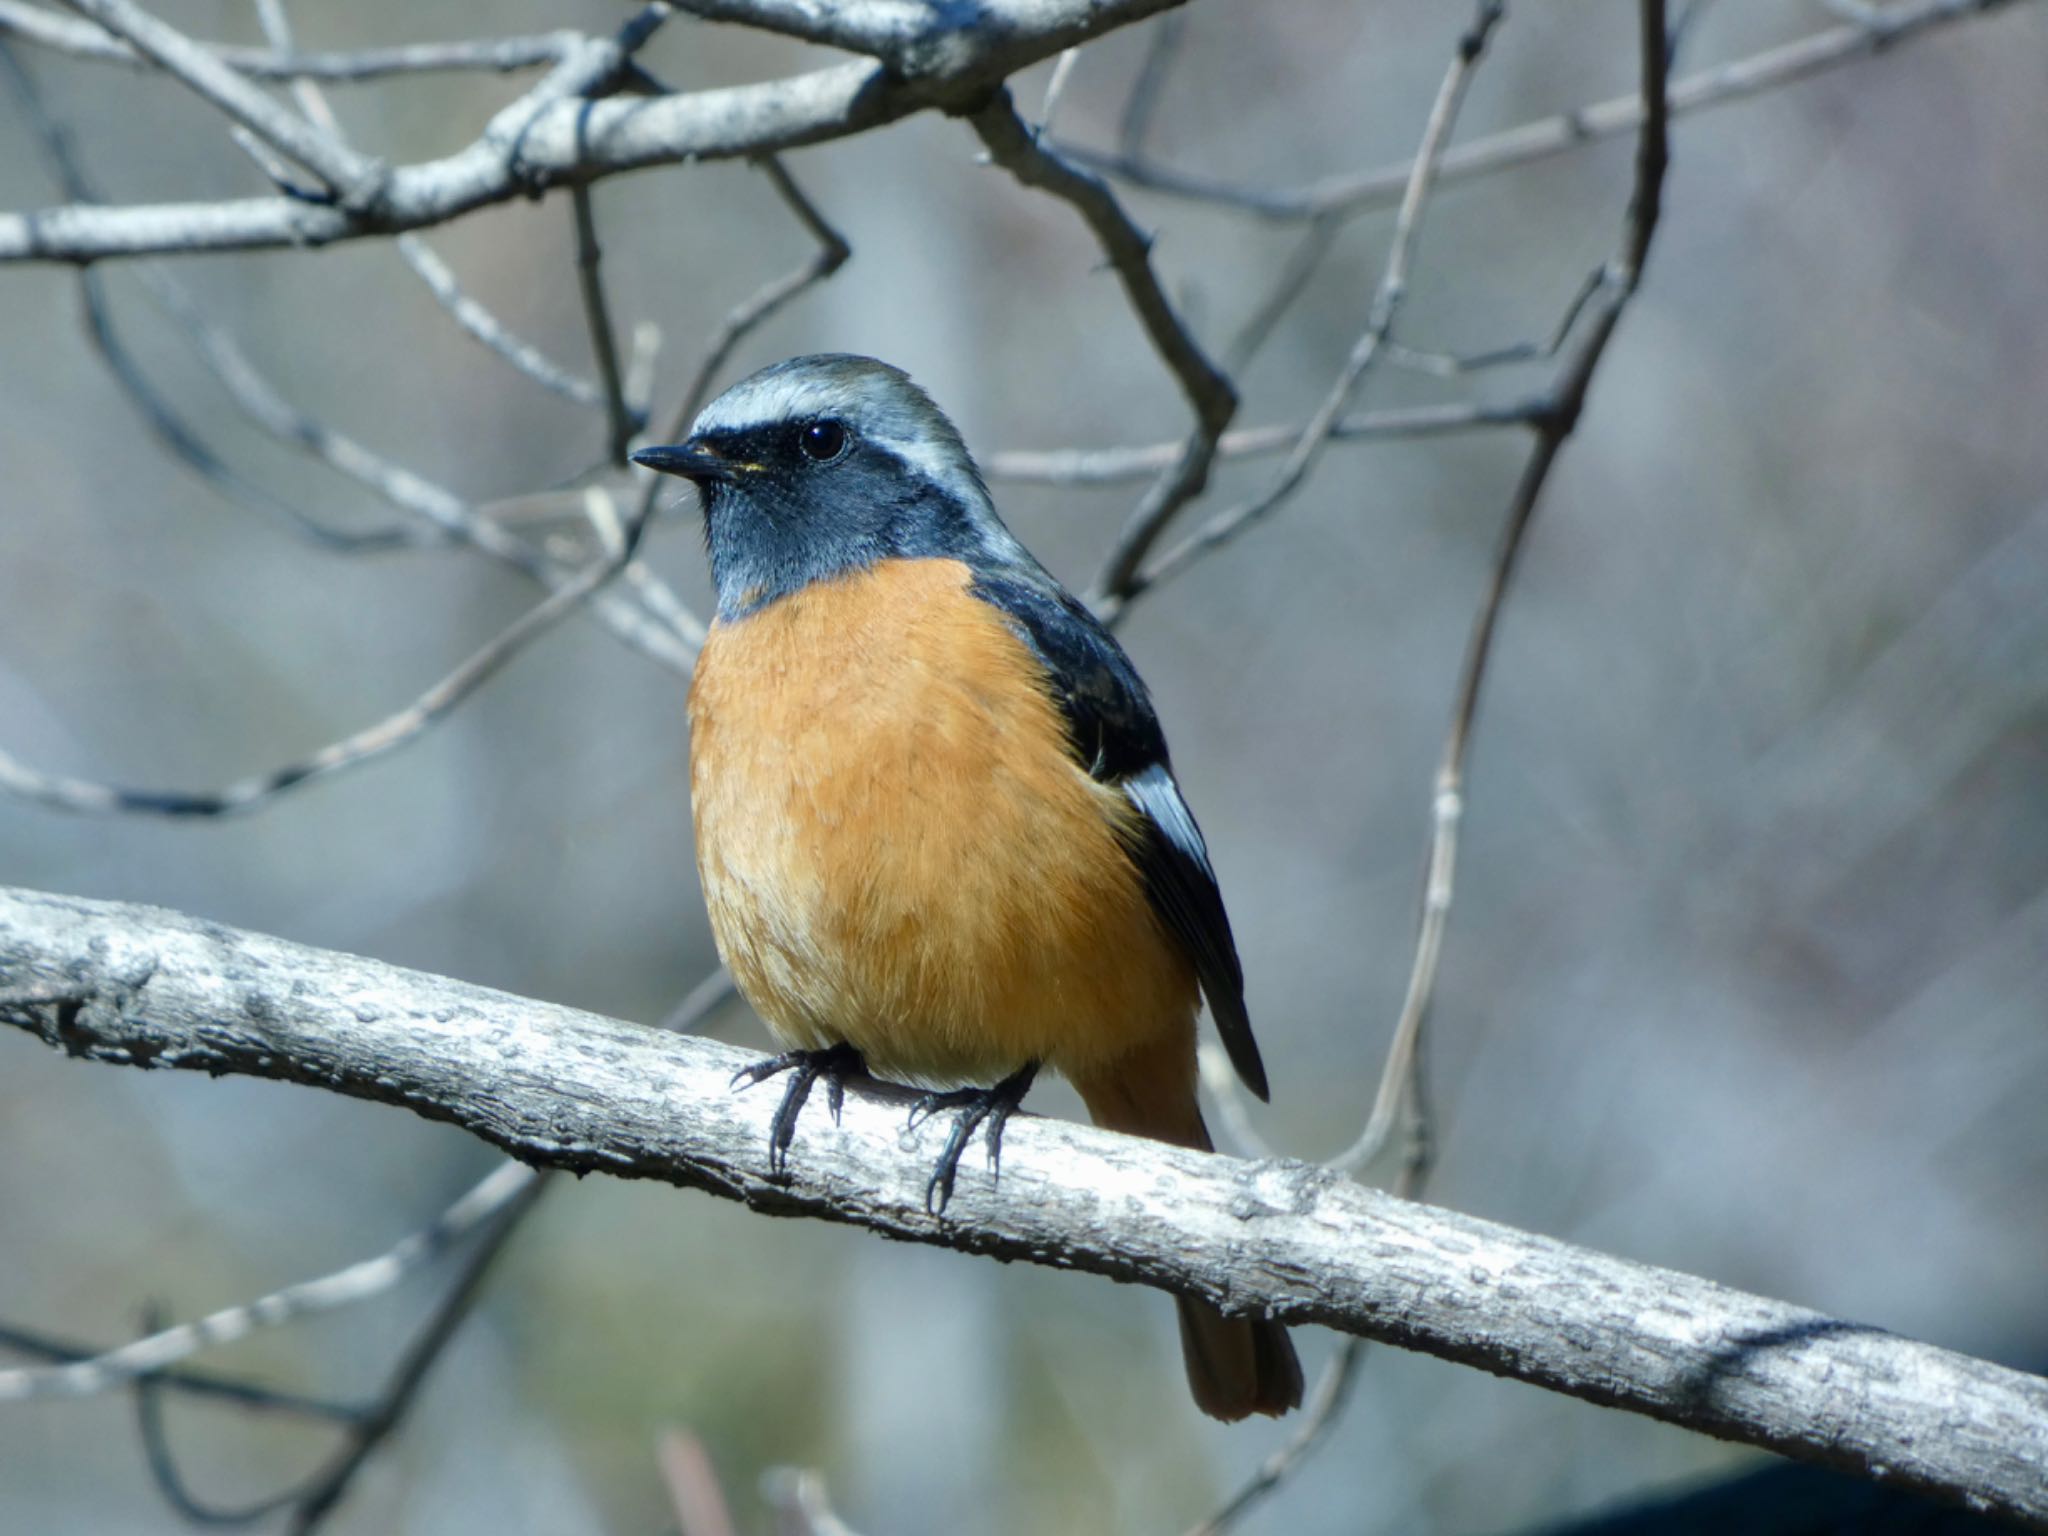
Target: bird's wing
(1115,735)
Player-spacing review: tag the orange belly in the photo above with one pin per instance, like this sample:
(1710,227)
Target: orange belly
(897,850)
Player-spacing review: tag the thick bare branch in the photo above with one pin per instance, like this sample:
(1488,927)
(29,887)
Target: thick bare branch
(550,136)
(558,1088)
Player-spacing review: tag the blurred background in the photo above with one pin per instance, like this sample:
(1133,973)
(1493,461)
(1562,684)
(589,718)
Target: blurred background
(1748,966)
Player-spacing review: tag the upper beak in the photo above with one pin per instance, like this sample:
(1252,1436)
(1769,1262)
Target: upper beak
(691,460)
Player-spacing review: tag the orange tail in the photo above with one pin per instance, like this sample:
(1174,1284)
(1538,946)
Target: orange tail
(1237,1366)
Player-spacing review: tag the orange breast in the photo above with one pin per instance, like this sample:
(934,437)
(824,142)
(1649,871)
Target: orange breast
(897,850)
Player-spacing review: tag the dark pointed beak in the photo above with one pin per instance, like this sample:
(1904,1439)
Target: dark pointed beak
(691,460)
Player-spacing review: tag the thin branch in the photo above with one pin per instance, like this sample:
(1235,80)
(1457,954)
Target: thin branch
(357,181)
(1125,574)
(1350,195)
(169,426)
(1210,394)
(1325,1406)
(1161,51)
(597,316)
(260,400)
(211,1385)
(345,1287)
(1303,1244)
(87,797)
(1109,466)
(324,1493)
(1292,282)
(318,1495)
(553,136)
(480,323)
(500,55)
(1553,428)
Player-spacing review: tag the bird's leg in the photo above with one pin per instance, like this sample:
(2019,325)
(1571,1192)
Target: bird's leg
(835,1064)
(974,1106)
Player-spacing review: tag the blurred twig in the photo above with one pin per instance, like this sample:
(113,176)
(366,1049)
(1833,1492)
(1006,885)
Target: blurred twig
(1568,401)
(89,797)
(212,1385)
(1349,195)
(83,40)
(355,181)
(345,1287)
(1401,1090)
(1107,466)
(1125,574)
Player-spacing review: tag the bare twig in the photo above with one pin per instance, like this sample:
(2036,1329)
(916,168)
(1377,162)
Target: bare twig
(259,399)
(318,1495)
(392,732)
(83,40)
(345,1287)
(439,278)
(1302,1244)
(166,422)
(1552,429)
(480,323)
(553,136)
(1125,575)
(1320,1413)
(324,1492)
(597,316)
(211,1385)
(312,1500)
(1210,394)
(356,181)
(1135,127)
(1108,466)
(1360,192)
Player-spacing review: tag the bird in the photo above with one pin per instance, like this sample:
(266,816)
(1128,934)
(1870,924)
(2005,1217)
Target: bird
(939,835)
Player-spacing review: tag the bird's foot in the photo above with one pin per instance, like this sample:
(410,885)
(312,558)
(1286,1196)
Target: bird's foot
(835,1064)
(973,1107)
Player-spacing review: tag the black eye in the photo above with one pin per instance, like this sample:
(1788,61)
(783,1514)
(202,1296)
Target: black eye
(823,441)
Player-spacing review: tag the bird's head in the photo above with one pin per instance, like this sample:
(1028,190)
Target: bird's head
(824,465)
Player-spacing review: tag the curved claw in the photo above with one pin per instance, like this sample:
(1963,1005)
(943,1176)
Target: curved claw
(834,1064)
(976,1107)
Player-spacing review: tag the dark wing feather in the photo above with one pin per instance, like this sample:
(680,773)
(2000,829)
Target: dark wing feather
(1116,736)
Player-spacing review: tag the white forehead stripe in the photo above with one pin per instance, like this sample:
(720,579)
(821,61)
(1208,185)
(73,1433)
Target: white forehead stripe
(878,402)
